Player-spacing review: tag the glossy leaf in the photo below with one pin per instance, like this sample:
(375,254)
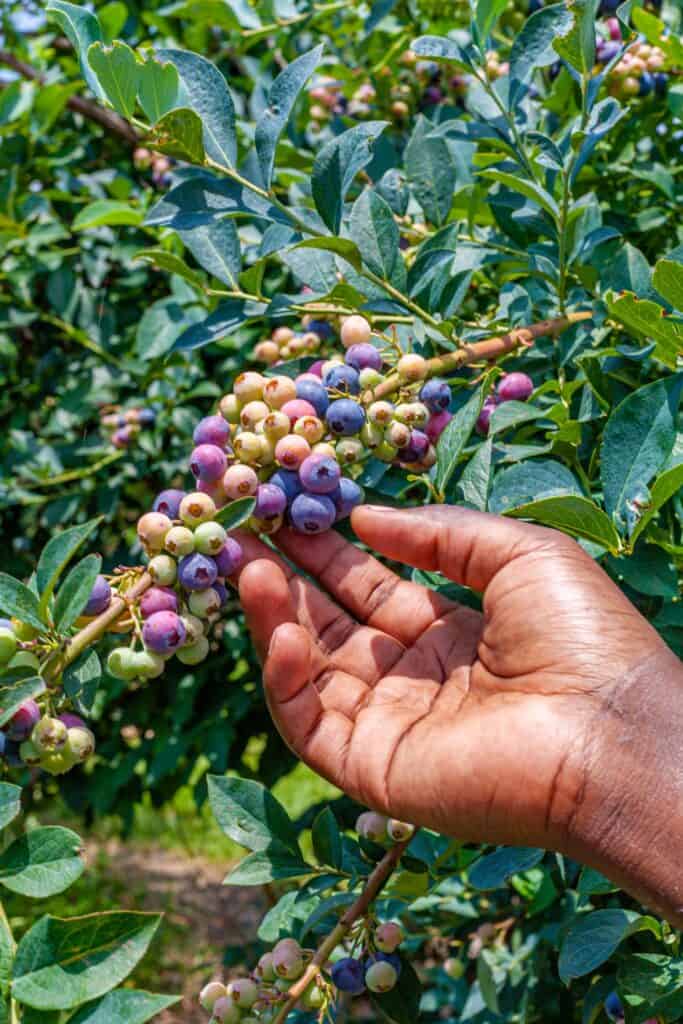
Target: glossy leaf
(17,600)
(594,938)
(106,212)
(337,164)
(125,1006)
(250,815)
(118,73)
(42,862)
(158,86)
(179,133)
(649,320)
(57,554)
(204,90)
(225,319)
(534,480)
(75,591)
(668,280)
(373,229)
(10,803)
(454,438)
(533,47)
(271,864)
(235,513)
(82,29)
(327,843)
(216,248)
(431,172)
(495,869)
(280,104)
(573,514)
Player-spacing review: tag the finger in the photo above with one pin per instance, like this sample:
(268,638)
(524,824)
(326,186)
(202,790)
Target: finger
(466,546)
(372,593)
(319,735)
(266,599)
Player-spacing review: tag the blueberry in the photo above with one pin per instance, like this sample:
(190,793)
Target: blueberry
(163,632)
(484,417)
(212,430)
(315,394)
(386,958)
(436,395)
(319,474)
(208,462)
(168,502)
(346,497)
(647,83)
(364,356)
(288,481)
(608,51)
(99,599)
(614,1007)
(197,572)
(515,387)
(22,722)
(147,417)
(417,446)
(312,513)
(345,417)
(321,328)
(229,558)
(222,592)
(342,378)
(158,599)
(348,975)
(661,82)
(270,501)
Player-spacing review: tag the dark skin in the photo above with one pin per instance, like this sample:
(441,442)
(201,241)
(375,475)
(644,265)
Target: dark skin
(548,720)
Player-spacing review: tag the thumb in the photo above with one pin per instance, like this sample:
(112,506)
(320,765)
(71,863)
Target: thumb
(466,546)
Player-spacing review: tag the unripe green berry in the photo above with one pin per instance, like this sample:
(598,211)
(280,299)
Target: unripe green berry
(209,538)
(121,663)
(276,425)
(229,408)
(204,603)
(288,959)
(313,998)
(412,367)
(253,413)
(324,448)
(381,413)
(248,387)
(30,755)
(148,665)
(194,628)
(381,977)
(57,763)
(49,735)
(248,447)
(454,967)
(225,1011)
(195,653)
(196,508)
(369,378)
(372,826)
(179,541)
(349,451)
(80,743)
(371,435)
(163,569)
(243,992)
(386,452)
(265,969)
(210,994)
(399,831)
(8,645)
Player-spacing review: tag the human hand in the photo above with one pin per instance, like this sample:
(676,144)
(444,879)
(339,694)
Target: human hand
(516,726)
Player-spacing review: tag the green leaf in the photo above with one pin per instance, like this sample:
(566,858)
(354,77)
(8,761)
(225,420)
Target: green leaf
(594,938)
(216,248)
(75,590)
(487,982)
(10,803)
(668,281)
(577,48)
(61,963)
(42,862)
(638,440)
(402,1004)
(250,815)
(591,883)
(650,320)
(17,600)
(16,691)
(158,85)
(222,322)
(267,865)
(82,29)
(486,14)
(530,481)
(109,212)
(573,514)
(337,164)
(441,48)
(454,438)
(649,570)
(327,843)
(474,485)
(57,554)
(7,948)
(373,229)
(280,104)
(235,513)
(170,262)
(343,247)
(668,483)
(627,271)
(81,679)
(161,325)
(652,983)
(124,1006)
(527,188)
(533,47)
(204,90)
(513,414)
(118,73)
(495,869)
(180,134)
(431,171)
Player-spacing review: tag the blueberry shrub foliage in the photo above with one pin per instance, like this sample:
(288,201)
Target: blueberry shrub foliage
(300,252)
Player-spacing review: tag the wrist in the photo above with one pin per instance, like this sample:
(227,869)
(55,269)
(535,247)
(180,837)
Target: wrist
(627,819)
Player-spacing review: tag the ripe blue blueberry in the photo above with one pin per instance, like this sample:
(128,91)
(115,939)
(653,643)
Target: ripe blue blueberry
(197,572)
(222,592)
(364,356)
(147,417)
(271,501)
(417,447)
(212,430)
(168,502)
(163,632)
(348,975)
(342,378)
(312,513)
(345,417)
(229,558)
(614,1007)
(313,392)
(346,497)
(436,395)
(319,474)
(288,481)
(321,328)
(647,83)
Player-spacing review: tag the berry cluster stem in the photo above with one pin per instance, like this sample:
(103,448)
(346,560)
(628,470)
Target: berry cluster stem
(374,885)
(478,351)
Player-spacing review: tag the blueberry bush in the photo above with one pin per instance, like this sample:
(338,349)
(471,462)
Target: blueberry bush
(263,260)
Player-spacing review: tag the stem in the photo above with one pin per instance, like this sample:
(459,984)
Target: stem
(79,336)
(375,883)
(77,474)
(489,348)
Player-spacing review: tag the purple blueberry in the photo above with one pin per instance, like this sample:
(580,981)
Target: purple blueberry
(222,592)
(514,387)
(168,502)
(158,599)
(342,378)
(208,463)
(22,722)
(315,394)
(363,356)
(100,597)
(197,572)
(319,474)
(416,449)
(345,417)
(321,328)
(388,958)
(121,438)
(270,501)
(608,51)
(163,632)
(229,558)
(147,417)
(212,430)
(436,395)
(432,95)
(348,975)
(312,513)
(484,417)
(72,721)
(288,481)
(346,497)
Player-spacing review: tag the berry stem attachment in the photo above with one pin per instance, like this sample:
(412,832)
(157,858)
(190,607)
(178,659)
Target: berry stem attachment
(488,349)
(375,883)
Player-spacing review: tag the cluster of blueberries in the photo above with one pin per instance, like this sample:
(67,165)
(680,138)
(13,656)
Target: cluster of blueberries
(160,165)
(639,71)
(126,426)
(284,343)
(513,387)
(370,963)
(32,736)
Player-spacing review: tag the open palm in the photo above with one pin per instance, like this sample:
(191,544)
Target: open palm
(479,725)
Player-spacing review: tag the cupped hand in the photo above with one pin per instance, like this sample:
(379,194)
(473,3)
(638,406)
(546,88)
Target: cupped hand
(485,726)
